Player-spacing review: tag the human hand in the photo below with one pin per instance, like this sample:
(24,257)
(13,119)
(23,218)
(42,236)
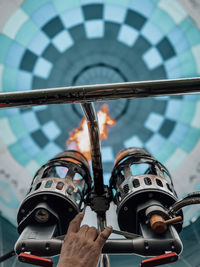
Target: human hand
(82,245)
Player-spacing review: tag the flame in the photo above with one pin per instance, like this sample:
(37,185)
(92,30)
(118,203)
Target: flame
(79,137)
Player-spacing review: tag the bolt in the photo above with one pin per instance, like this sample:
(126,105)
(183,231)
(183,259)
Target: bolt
(70,209)
(45,197)
(42,215)
(146,245)
(150,195)
(125,208)
(22,210)
(23,247)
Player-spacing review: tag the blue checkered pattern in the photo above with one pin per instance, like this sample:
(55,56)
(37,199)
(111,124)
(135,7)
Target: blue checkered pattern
(135,27)
(60,43)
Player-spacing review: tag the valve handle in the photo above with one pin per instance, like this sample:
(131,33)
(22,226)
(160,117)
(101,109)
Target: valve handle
(174,220)
(32,259)
(160,260)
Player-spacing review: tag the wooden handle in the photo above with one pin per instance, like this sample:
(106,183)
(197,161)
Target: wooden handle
(158,224)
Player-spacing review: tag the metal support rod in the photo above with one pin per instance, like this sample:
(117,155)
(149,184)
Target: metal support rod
(104,261)
(7,255)
(93,129)
(101,221)
(102,92)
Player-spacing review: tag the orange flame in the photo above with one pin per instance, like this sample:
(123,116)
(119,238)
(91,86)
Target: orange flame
(79,137)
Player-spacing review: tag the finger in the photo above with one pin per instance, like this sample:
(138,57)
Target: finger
(74,225)
(84,228)
(92,233)
(103,236)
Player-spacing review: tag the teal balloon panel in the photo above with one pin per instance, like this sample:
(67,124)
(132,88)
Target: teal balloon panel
(46,44)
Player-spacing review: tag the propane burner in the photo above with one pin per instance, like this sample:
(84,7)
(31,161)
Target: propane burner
(142,188)
(57,192)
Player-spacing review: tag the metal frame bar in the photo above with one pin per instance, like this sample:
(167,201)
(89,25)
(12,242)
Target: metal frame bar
(102,92)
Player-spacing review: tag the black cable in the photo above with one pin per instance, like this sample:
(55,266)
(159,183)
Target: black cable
(190,199)
(7,255)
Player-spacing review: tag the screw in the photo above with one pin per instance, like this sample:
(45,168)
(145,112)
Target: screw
(23,247)
(150,195)
(70,209)
(125,208)
(44,197)
(42,215)
(146,245)
(22,210)
(172,246)
(47,246)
